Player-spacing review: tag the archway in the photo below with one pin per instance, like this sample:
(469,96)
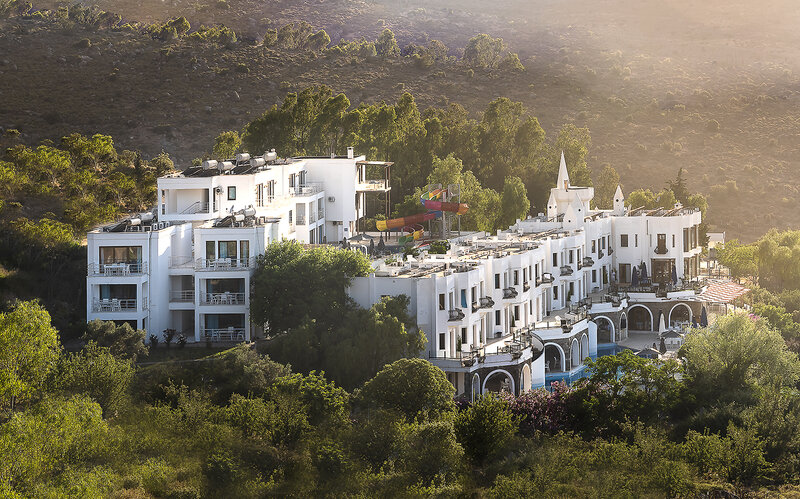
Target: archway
(584,346)
(640,318)
(681,312)
(554,358)
(498,381)
(575,354)
(476,386)
(525,379)
(623,322)
(605,329)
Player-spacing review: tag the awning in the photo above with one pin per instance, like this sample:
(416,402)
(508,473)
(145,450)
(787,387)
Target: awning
(723,292)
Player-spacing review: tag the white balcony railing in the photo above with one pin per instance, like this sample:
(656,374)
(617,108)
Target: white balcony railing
(181,262)
(114,305)
(117,268)
(226,298)
(197,207)
(373,185)
(300,220)
(306,189)
(181,295)
(225,264)
(224,334)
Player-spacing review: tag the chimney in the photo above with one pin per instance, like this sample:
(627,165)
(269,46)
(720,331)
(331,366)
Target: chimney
(349,153)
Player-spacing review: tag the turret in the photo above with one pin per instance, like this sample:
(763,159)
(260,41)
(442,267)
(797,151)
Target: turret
(563,175)
(552,206)
(619,201)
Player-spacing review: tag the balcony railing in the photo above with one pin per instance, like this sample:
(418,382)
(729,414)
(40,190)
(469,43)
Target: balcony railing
(320,214)
(373,185)
(181,262)
(509,293)
(117,268)
(546,278)
(566,270)
(600,254)
(300,220)
(197,207)
(224,334)
(455,314)
(306,189)
(587,261)
(225,298)
(661,250)
(526,286)
(181,295)
(225,263)
(486,302)
(114,305)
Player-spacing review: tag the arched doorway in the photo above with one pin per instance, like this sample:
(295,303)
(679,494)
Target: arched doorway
(640,318)
(499,381)
(554,358)
(623,323)
(681,312)
(605,330)
(525,379)
(476,386)
(584,346)
(575,353)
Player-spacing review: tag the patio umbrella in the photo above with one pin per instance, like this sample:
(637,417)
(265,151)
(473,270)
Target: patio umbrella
(703,318)
(644,272)
(674,275)
(635,277)
(661,325)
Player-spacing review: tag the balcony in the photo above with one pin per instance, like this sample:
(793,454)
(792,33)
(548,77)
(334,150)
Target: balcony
(547,278)
(181,296)
(320,214)
(181,262)
(610,251)
(117,268)
(224,334)
(114,305)
(455,314)
(226,298)
(587,261)
(526,286)
(600,254)
(475,307)
(306,189)
(486,302)
(373,186)
(300,220)
(661,250)
(509,293)
(197,207)
(566,270)
(224,264)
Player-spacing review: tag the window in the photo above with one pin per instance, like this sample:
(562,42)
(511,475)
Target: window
(555,292)
(594,275)
(636,240)
(290,218)
(623,240)
(441,341)
(516,312)
(497,281)
(211,250)
(441,301)
(516,277)
(594,249)
(673,240)
(464,300)
(497,317)
(571,256)
(227,249)
(232,193)
(244,249)
(624,272)
(609,243)
(555,259)
(118,254)
(260,195)
(463,335)
(291,180)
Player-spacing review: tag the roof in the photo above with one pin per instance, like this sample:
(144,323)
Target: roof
(563,175)
(723,291)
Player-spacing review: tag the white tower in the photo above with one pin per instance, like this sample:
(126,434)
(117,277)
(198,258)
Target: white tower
(563,175)
(619,202)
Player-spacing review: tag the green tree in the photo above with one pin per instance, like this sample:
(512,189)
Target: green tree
(413,387)
(485,427)
(605,187)
(483,51)
(318,41)
(386,46)
(227,144)
(279,303)
(122,341)
(514,204)
(678,187)
(28,351)
(511,63)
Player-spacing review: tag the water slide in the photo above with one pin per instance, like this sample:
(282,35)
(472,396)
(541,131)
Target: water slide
(430,200)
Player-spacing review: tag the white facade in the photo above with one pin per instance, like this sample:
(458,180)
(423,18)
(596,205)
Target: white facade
(517,305)
(187,266)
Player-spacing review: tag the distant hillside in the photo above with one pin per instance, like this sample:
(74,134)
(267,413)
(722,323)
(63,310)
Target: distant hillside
(711,88)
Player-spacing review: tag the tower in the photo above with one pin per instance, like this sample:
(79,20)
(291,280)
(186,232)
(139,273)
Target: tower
(619,202)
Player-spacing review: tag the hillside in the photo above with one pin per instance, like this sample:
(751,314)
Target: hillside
(709,88)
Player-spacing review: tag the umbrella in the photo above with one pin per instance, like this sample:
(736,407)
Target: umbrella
(703,318)
(661,326)
(644,272)
(635,277)
(674,275)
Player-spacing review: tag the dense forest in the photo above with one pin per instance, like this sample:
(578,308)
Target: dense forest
(721,420)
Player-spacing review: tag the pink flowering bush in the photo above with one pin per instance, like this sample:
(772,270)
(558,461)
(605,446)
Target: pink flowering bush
(542,410)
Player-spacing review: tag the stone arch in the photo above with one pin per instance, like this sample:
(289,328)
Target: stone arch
(607,332)
(496,385)
(637,323)
(556,361)
(575,353)
(476,386)
(525,378)
(584,346)
(688,308)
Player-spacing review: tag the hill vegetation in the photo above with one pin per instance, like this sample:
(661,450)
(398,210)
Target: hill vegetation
(678,97)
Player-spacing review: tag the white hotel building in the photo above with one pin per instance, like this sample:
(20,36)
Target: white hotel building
(187,265)
(525,307)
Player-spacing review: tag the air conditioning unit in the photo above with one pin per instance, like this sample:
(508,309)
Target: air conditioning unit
(331,199)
